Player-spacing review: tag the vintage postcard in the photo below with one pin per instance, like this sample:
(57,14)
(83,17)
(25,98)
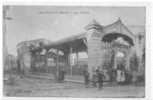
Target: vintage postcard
(74,51)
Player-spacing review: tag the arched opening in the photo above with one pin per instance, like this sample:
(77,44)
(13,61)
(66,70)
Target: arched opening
(113,36)
(119,45)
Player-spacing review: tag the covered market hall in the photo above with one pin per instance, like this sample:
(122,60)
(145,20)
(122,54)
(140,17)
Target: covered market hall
(106,47)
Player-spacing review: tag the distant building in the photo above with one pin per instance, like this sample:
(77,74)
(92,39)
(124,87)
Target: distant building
(24,51)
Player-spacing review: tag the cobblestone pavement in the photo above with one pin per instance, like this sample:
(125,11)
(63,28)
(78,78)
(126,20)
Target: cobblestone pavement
(30,87)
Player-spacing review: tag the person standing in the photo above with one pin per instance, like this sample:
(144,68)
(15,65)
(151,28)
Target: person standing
(94,79)
(118,76)
(122,77)
(100,78)
(86,78)
(63,75)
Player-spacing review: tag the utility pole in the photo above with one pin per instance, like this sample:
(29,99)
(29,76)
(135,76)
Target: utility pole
(5,51)
(6,59)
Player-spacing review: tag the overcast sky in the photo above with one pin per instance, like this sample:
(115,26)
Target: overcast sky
(53,23)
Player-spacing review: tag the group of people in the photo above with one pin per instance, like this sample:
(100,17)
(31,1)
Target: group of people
(118,75)
(96,80)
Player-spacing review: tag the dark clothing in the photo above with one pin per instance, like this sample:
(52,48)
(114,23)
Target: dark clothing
(113,75)
(100,79)
(100,85)
(94,80)
(86,78)
(61,76)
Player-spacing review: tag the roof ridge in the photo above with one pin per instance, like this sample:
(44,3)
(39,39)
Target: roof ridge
(112,23)
(121,23)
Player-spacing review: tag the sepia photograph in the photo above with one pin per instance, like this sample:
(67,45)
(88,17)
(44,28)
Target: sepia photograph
(74,51)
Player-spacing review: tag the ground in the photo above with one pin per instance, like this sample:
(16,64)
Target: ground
(32,87)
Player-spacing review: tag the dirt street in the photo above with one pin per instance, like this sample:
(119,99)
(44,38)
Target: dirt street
(29,87)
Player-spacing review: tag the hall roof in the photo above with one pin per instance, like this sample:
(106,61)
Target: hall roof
(76,40)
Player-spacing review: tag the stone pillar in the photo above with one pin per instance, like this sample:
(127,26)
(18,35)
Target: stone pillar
(46,60)
(71,69)
(94,32)
(32,60)
(127,67)
(27,62)
(77,58)
(67,58)
(95,54)
(57,62)
(140,65)
(115,62)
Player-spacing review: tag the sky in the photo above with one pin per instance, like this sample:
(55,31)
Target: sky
(56,22)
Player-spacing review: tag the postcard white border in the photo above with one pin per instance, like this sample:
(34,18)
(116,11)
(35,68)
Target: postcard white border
(149,39)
